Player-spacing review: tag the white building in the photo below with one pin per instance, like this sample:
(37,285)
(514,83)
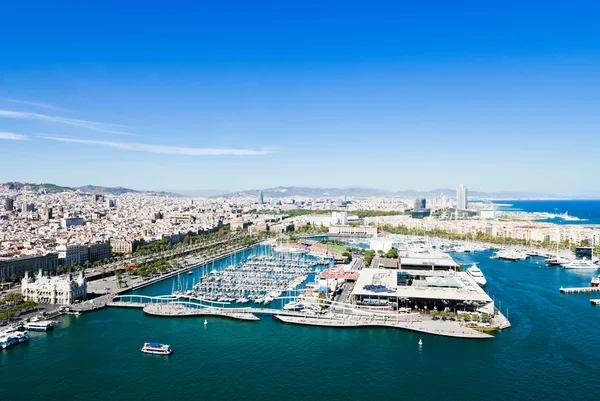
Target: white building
(462,198)
(54,290)
(381,244)
(71,221)
(68,253)
(339,218)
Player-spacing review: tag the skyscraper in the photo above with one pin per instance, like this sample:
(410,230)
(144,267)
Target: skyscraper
(9,204)
(462,197)
(420,203)
(261,198)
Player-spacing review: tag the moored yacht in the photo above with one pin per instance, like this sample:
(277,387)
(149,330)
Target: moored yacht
(477,275)
(556,261)
(293,306)
(596,281)
(580,264)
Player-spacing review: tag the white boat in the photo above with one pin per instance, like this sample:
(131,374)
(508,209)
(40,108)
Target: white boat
(293,306)
(596,281)
(21,336)
(157,349)
(580,264)
(512,255)
(556,261)
(6,341)
(477,275)
(41,325)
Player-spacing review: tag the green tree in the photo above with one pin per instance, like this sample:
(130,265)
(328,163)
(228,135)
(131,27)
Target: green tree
(392,253)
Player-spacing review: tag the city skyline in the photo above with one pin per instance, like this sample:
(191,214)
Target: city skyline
(246,99)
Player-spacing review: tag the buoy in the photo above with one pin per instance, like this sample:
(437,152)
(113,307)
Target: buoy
(420,342)
(205,322)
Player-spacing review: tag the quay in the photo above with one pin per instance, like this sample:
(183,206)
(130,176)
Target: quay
(437,327)
(169,307)
(579,290)
(179,310)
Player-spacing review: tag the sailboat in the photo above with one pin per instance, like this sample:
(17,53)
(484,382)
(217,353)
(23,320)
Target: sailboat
(557,260)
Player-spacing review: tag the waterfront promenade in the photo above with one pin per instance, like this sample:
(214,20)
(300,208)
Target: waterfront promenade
(171,307)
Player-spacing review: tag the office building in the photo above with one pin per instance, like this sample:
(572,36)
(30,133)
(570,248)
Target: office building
(17,267)
(68,254)
(9,204)
(261,197)
(462,198)
(420,203)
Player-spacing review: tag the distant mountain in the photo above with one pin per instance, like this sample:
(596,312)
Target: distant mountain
(27,186)
(201,193)
(52,188)
(120,191)
(280,192)
(313,192)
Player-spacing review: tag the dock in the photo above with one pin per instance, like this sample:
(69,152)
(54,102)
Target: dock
(177,310)
(595,302)
(435,327)
(579,290)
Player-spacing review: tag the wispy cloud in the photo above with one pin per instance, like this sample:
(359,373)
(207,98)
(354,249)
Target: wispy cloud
(91,125)
(35,104)
(168,150)
(13,137)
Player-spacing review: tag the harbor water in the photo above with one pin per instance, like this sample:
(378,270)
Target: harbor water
(551,352)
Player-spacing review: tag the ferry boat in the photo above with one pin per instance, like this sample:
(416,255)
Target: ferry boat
(40,325)
(157,349)
(596,281)
(477,275)
(21,336)
(6,341)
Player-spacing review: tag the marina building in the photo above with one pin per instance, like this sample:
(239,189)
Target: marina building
(420,290)
(62,290)
(353,230)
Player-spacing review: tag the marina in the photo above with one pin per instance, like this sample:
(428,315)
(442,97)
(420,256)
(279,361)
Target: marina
(221,350)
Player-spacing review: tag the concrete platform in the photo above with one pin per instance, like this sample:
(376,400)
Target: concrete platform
(438,327)
(174,310)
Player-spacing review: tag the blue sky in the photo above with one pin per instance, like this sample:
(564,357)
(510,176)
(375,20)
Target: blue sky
(244,95)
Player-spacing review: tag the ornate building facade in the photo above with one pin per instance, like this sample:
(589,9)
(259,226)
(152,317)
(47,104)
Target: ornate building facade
(62,290)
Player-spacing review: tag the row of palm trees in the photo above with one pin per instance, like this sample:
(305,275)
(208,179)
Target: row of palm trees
(173,262)
(467,317)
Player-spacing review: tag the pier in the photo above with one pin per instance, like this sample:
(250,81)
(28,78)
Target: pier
(438,327)
(345,316)
(579,290)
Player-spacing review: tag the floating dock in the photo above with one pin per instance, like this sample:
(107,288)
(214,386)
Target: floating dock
(595,302)
(579,290)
